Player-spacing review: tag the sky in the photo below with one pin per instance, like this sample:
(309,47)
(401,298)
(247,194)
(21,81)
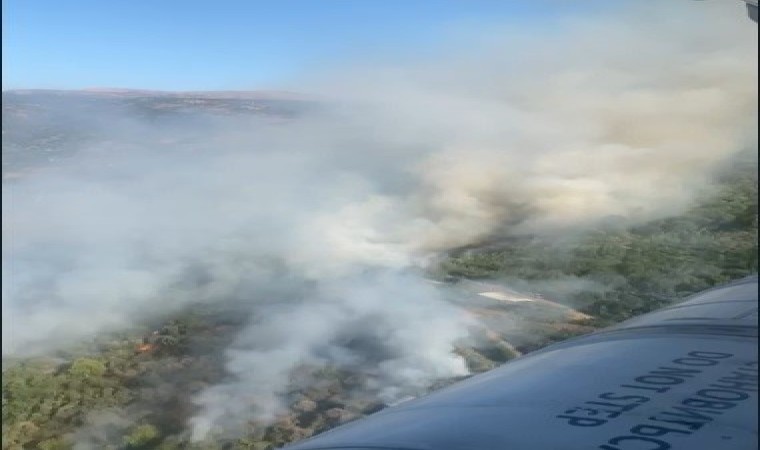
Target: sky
(235,44)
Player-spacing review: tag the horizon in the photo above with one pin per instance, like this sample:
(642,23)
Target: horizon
(119,89)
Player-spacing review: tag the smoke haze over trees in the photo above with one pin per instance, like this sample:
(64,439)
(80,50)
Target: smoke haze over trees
(602,171)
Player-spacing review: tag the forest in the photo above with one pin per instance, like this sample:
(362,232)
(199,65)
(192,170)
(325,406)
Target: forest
(133,389)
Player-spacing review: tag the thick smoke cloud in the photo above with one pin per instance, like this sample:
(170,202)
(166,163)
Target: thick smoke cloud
(317,221)
(392,328)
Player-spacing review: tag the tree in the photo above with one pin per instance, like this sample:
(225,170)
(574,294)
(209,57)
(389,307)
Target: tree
(54,444)
(141,436)
(87,368)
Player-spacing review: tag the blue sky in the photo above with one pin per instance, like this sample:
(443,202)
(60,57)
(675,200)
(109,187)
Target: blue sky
(232,44)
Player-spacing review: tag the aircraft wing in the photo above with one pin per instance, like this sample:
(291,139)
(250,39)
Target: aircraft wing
(684,377)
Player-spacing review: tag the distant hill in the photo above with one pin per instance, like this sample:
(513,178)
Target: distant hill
(126,93)
(41,127)
(37,104)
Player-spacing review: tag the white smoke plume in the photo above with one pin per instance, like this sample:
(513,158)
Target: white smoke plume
(315,221)
(391,327)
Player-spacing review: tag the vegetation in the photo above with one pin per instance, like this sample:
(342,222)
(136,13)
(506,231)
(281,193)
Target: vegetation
(149,378)
(40,402)
(141,436)
(43,400)
(641,268)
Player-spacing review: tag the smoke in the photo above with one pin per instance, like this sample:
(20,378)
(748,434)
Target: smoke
(393,328)
(318,221)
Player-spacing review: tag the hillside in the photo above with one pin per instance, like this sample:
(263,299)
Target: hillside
(150,377)
(137,387)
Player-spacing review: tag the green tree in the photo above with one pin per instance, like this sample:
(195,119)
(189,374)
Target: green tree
(141,436)
(87,368)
